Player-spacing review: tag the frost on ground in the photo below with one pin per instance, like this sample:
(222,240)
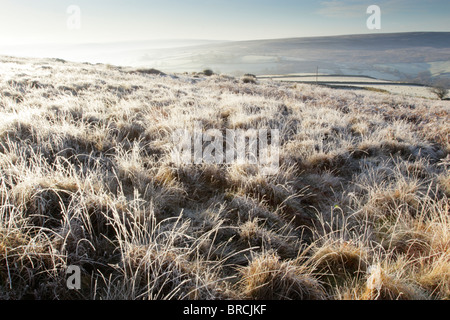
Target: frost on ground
(358,210)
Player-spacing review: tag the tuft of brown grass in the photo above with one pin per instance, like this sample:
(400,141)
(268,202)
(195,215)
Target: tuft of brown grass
(384,284)
(268,278)
(435,278)
(341,259)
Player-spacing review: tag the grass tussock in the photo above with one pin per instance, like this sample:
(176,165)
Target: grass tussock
(268,278)
(358,210)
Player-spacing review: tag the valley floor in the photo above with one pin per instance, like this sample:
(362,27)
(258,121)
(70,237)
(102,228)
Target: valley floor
(358,82)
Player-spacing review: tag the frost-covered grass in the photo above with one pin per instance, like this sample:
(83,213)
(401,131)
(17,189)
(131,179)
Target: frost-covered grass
(358,210)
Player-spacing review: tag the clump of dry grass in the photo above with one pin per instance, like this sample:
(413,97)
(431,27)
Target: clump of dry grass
(268,278)
(388,283)
(249,79)
(256,235)
(29,267)
(435,277)
(340,259)
(444,181)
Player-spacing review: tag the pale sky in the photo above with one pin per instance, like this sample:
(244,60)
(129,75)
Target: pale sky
(45,21)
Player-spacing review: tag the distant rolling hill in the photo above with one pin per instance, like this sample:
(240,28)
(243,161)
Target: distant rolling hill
(387,56)
(393,56)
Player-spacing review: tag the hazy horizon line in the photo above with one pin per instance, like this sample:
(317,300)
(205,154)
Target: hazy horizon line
(213,40)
